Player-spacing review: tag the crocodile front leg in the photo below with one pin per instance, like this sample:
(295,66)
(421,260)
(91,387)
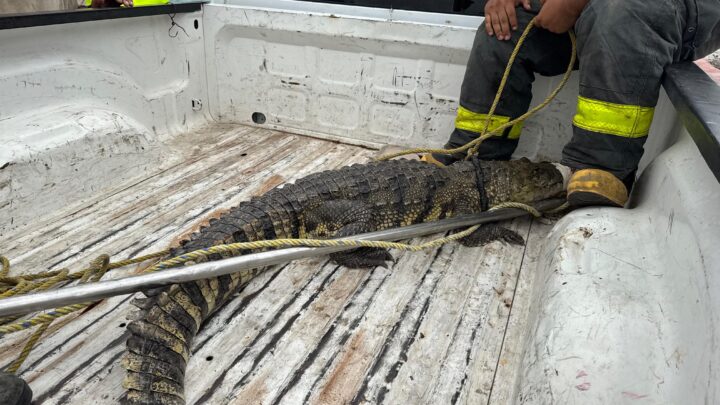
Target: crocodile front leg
(344,218)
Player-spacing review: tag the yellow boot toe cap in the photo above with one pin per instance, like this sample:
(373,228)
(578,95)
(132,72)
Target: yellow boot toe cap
(590,187)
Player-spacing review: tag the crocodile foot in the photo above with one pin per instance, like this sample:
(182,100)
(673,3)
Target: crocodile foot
(490,233)
(363,258)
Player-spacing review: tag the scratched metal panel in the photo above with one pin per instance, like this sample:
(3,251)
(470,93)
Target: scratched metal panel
(427,330)
(365,74)
(362,79)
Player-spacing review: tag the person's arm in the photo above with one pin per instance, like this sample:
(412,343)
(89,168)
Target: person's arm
(500,17)
(559,16)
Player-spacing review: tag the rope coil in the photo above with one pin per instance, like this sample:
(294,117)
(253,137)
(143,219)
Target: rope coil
(11,286)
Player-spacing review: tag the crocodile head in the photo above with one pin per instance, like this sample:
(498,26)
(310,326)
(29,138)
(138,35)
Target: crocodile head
(521,181)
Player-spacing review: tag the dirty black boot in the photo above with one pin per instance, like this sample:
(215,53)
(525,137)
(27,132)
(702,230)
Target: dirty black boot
(14,390)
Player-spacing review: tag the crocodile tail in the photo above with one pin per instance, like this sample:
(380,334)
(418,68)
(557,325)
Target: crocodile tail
(162,333)
(158,348)
(158,351)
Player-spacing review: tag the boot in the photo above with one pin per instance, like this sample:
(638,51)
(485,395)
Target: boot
(429,158)
(595,187)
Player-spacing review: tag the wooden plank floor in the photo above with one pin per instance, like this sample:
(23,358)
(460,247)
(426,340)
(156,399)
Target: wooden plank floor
(428,330)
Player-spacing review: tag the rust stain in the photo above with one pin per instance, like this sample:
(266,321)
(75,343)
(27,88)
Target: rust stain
(56,363)
(269,184)
(255,390)
(341,386)
(11,351)
(205,221)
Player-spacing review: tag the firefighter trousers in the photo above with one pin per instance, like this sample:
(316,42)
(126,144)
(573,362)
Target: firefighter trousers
(623,47)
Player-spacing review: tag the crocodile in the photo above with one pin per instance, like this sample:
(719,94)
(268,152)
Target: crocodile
(336,203)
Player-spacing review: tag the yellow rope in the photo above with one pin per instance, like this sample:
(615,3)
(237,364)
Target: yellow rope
(18,289)
(235,248)
(472,146)
(5,280)
(94,273)
(15,365)
(558,209)
(5,266)
(45,317)
(23,285)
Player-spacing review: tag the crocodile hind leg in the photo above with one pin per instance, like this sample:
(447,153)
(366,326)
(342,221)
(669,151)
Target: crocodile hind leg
(490,233)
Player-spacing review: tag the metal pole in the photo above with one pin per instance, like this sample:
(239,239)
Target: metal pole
(91,292)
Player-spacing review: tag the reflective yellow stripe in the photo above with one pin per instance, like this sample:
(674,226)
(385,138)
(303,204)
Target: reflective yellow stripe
(629,121)
(139,3)
(516,130)
(475,122)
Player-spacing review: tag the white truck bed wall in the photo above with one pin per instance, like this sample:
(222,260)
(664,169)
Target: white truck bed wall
(84,106)
(364,74)
(623,306)
(626,301)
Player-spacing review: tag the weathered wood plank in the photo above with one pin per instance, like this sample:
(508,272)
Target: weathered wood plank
(413,277)
(427,330)
(460,325)
(255,331)
(484,354)
(505,388)
(316,363)
(162,206)
(263,383)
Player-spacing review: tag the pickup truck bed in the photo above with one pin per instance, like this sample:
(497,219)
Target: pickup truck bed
(430,327)
(121,130)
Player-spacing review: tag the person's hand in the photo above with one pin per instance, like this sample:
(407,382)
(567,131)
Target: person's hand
(559,16)
(500,17)
(111,3)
